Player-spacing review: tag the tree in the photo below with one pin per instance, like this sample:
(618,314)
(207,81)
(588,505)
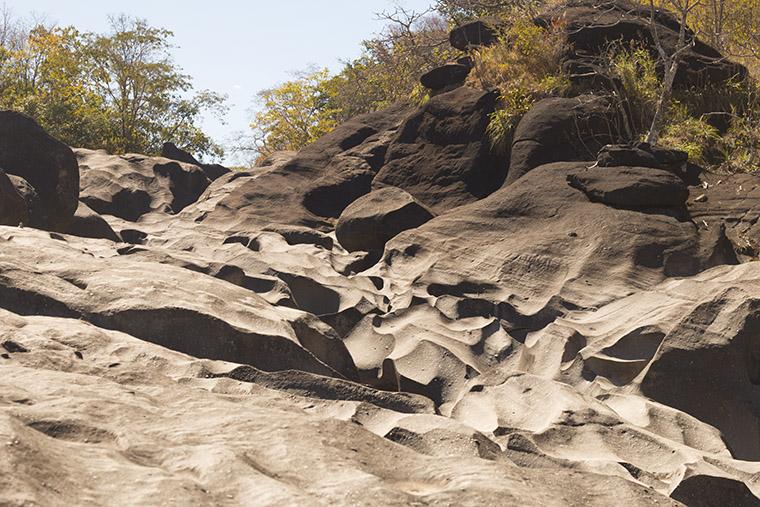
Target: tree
(294,113)
(133,72)
(119,91)
(670,60)
(462,11)
(44,77)
(731,27)
(301,110)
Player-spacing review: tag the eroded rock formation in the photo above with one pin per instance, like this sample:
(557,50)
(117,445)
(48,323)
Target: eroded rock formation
(394,315)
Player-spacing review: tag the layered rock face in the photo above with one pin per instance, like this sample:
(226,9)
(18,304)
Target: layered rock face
(589,26)
(395,315)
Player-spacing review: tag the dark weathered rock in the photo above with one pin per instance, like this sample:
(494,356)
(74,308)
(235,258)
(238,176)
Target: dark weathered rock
(590,26)
(562,130)
(48,165)
(88,224)
(584,335)
(442,154)
(642,155)
(731,201)
(13,209)
(474,34)
(212,171)
(370,221)
(699,490)
(638,188)
(170,150)
(445,76)
(309,189)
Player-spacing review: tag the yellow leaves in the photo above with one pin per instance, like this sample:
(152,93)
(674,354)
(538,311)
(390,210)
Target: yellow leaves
(295,113)
(731,26)
(65,80)
(524,67)
(692,135)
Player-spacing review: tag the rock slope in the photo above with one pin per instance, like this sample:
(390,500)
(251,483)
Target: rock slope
(393,315)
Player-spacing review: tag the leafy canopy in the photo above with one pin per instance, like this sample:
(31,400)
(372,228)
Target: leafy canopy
(120,91)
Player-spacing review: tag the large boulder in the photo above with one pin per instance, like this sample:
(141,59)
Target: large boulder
(442,154)
(308,189)
(589,27)
(638,188)
(13,209)
(447,76)
(487,274)
(561,130)
(212,171)
(474,34)
(130,186)
(48,166)
(370,221)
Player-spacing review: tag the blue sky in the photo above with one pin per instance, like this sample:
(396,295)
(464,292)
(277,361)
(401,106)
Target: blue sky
(237,47)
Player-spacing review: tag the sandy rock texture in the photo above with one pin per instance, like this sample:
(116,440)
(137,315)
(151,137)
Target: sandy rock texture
(394,315)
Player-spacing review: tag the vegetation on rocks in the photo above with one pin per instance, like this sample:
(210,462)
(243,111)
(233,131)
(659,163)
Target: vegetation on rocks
(120,91)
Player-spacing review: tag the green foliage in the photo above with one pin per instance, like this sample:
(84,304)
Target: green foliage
(119,91)
(132,70)
(295,113)
(731,26)
(524,68)
(638,88)
(687,125)
(501,125)
(391,64)
(461,11)
(690,134)
(46,79)
(740,146)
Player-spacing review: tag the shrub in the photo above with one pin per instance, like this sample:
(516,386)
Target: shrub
(740,146)
(691,134)
(524,68)
(633,73)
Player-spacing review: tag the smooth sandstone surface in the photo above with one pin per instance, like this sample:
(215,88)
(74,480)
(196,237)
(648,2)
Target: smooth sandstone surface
(394,315)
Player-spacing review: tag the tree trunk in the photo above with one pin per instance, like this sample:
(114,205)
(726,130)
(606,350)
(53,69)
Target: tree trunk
(663,104)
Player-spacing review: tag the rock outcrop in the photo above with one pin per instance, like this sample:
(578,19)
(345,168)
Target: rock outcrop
(589,27)
(442,155)
(88,224)
(562,129)
(446,77)
(47,165)
(474,34)
(130,186)
(370,221)
(394,315)
(212,171)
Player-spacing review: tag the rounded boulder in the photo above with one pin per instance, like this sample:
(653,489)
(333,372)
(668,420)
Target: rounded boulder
(47,164)
(372,220)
